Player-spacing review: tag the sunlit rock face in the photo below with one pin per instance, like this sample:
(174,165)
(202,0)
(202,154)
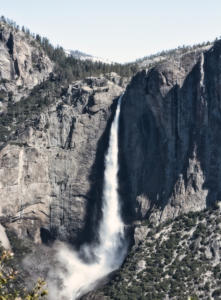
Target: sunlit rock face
(170,144)
(23,64)
(48,167)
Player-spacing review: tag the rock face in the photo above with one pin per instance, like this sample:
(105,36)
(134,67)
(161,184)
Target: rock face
(52,141)
(46,170)
(23,65)
(3,238)
(170,139)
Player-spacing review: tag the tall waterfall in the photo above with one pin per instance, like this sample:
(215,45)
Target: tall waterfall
(78,276)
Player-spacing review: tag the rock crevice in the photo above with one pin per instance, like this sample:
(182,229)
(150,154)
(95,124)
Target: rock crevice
(170,139)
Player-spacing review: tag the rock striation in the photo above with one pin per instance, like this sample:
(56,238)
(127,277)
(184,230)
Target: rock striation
(170,139)
(46,165)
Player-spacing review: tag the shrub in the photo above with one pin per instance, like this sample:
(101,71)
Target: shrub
(8,290)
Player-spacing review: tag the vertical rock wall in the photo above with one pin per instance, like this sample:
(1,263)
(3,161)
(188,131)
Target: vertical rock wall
(170,139)
(51,169)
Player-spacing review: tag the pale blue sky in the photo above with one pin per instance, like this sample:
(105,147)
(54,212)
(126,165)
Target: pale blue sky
(120,30)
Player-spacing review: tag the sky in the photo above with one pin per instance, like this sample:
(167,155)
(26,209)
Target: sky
(122,30)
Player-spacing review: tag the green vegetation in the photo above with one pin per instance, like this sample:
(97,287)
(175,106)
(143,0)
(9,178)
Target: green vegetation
(177,257)
(66,70)
(25,111)
(8,286)
(69,68)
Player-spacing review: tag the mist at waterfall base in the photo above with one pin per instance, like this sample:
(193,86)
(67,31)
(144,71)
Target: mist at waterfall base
(78,275)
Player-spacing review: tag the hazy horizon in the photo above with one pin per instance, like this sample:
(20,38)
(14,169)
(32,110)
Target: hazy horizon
(121,32)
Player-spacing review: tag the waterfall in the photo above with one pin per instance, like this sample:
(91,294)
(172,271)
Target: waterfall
(78,276)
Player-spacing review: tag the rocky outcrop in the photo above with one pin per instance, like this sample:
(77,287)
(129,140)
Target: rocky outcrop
(23,65)
(170,149)
(3,238)
(47,166)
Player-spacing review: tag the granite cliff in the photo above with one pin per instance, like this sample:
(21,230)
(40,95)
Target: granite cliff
(170,178)
(170,137)
(51,157)
(23,64)
(46,165)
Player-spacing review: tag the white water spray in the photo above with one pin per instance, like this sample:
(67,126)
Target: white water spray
(78,276)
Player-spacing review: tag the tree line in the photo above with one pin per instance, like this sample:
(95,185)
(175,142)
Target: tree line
(69,68)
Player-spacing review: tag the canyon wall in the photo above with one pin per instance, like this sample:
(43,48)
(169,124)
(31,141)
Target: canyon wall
(47,168)
(53,140)
(170,138)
